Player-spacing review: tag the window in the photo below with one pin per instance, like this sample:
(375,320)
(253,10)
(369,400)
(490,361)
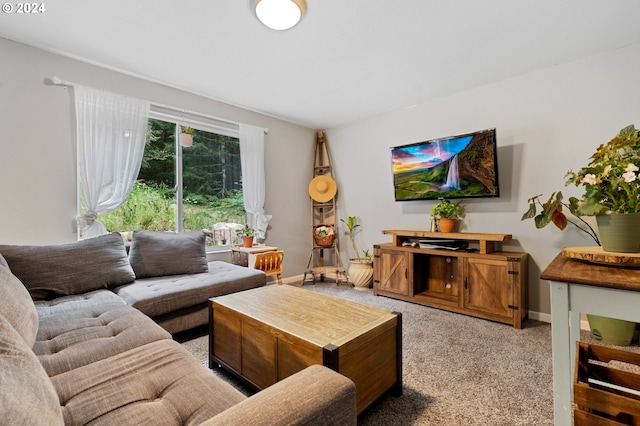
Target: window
(188,188)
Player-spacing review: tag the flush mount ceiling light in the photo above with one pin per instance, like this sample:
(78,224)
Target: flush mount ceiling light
(280,14)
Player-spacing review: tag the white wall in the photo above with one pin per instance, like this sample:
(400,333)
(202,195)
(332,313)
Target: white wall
(547,123)
(37,167)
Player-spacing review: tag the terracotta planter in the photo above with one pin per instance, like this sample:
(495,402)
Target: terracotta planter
(446,224)
(247,241)
(361,273)
(619,232)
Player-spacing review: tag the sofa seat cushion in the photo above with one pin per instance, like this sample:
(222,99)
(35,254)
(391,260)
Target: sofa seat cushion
(155,254)
(105,298)
(55,270)
(17,307)
(72,339)
(162,295)
(184,319)
(27,396)
(160,383)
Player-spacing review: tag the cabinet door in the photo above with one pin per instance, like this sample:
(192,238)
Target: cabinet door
(391,272)
(489,288)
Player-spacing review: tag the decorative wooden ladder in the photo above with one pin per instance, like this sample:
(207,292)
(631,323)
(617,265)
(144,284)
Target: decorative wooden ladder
(324,259)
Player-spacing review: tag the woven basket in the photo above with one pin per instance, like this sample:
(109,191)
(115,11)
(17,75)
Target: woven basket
(326,241)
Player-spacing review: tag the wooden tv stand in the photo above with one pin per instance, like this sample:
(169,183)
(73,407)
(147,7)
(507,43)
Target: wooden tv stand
(479,281)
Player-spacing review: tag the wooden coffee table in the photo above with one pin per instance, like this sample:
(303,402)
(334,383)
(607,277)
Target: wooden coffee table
(266,334)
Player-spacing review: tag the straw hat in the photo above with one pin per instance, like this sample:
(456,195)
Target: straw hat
(322,188)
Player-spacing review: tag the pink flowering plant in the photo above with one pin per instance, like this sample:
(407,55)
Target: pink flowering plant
(610,181)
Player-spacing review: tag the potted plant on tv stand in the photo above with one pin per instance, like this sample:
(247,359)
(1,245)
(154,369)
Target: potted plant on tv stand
(447,214)
(361,268)
(247,235)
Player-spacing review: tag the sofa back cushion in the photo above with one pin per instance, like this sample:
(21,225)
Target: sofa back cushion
(28,396)
(73,268)
(16,306)
(156,254)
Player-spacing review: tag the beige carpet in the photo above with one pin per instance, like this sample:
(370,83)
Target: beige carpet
(458,370)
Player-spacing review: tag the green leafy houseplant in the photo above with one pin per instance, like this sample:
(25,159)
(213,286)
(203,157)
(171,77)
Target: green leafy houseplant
(323,235)
(247,231)
(448,210)
(551,211)
(323,231)
(352,225)
(246,234)
(610,182)
(361,268)
(186,129)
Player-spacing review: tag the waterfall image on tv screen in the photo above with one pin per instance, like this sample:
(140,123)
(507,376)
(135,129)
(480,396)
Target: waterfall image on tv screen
(461,166)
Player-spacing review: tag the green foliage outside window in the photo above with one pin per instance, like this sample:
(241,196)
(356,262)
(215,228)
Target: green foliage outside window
(212,184)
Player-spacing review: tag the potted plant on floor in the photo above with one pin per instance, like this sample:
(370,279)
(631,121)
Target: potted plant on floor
(361,268)
(246,234)
(447,214)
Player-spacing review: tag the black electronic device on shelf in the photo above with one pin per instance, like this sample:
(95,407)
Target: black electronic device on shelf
(444,244)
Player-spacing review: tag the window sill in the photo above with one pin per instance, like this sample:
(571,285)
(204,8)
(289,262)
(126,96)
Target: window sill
(218,249)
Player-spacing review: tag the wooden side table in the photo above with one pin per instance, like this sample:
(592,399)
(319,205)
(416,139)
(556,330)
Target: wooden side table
(576,287)
(245,256)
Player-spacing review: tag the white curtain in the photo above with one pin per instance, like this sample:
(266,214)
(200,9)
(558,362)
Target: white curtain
(253,186)
(110,132)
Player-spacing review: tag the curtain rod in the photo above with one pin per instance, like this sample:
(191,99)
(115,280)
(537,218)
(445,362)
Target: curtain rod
(56,81)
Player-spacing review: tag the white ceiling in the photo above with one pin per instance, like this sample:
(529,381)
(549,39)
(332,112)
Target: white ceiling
(346,60)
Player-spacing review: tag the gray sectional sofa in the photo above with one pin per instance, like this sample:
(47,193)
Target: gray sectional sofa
(79,344)
(165,275)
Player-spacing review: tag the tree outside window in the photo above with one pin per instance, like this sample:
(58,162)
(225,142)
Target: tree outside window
(211,179)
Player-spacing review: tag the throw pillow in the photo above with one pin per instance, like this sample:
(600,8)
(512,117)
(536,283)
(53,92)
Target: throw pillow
(155,254)
(74,268)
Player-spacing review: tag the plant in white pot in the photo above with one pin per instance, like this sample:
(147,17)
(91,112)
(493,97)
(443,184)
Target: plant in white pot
(360,268)
(447,214)
(186,135)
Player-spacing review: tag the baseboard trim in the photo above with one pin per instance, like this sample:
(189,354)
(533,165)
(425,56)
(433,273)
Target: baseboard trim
(291,280)
(584,325)
(540,316)
(544,317)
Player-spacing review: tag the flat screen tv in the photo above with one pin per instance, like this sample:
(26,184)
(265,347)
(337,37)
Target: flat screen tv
(462,166)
